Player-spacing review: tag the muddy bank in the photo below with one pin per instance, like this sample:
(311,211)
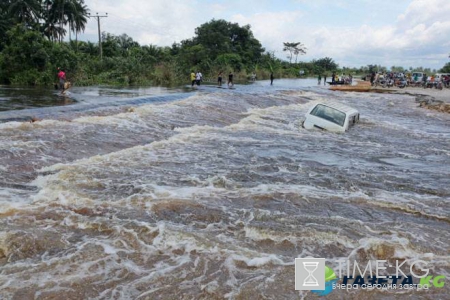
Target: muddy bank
(359,86)
(430,102)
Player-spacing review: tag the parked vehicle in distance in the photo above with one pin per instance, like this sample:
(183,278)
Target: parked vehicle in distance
(440,76)
(418,75)
(331,116)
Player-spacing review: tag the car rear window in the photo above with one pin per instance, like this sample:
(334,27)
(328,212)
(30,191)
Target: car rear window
(329,114)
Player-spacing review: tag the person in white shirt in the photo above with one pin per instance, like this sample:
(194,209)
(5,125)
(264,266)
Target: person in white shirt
(198,77)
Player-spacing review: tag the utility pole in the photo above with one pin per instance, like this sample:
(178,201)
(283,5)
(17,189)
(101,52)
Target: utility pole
(99,32)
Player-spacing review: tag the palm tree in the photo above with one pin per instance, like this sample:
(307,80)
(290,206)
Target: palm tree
(79,19)
(72,12)
(25,11)
(69,10)
(54,20)
(327,64)
(4,18)
(5,23)
(300,49)
(89,48)
(125,43)
(294,49)
(53,32)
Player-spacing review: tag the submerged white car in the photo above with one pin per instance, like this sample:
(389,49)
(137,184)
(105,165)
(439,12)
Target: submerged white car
(331,116)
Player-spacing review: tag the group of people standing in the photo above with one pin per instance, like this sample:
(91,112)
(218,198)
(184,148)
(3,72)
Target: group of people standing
(196,78)
(341,79)
(335,79)
(230,82)
(319,79)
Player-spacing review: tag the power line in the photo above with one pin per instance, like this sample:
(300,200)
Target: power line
(132,25)
(99,32)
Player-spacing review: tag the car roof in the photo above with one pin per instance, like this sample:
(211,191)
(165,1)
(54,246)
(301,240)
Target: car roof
(339,106)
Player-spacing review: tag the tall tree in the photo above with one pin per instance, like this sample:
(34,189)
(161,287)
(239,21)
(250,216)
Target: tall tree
(89,48)
(65,12)
(78,17)
(326,63)
(5,22)
(294,49)
(219,37)
(446,68)
(300,49)
(25,11)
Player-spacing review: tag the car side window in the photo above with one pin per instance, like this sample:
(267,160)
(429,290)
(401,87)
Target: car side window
(329,114)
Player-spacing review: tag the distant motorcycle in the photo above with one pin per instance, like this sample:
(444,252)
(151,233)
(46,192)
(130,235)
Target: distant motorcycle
(417,83)
(438,85)
(427,84)
(402,84)
(389,83)
(379,81)
(446,82)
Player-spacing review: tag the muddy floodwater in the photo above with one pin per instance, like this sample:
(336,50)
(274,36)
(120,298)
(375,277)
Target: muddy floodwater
(211,193)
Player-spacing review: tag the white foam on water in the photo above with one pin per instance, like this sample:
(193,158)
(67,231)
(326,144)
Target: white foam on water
(13,199)
(54,188)
(255,121)
(11,125)
(396,248)
(411,203)
(219,207)
(30,126)
(16,146)
(259,261)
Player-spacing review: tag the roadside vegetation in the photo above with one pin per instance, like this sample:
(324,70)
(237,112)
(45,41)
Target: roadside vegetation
(33,44)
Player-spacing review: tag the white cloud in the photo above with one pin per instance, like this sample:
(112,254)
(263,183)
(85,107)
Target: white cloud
(424,12)
(416,35)
(416,39)
(273,28)
(158,22)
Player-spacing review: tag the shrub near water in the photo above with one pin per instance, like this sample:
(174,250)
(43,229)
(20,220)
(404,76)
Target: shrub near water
(29,59)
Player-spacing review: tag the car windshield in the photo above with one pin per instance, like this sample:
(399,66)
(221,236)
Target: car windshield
(329,114)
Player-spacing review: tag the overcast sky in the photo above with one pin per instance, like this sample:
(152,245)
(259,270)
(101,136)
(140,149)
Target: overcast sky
(353,32)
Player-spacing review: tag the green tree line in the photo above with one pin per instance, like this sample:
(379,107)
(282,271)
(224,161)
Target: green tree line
(33,44)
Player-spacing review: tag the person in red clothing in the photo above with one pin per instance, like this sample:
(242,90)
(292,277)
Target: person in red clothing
(62,79)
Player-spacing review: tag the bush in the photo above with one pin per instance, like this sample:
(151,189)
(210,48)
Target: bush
(446,68)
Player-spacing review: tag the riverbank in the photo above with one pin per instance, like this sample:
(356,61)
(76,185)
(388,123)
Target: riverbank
(428,98)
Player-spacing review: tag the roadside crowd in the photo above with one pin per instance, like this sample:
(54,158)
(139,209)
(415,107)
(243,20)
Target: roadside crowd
(412,79)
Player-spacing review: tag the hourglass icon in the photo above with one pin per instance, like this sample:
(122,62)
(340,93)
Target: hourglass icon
(309,274)
(310,280)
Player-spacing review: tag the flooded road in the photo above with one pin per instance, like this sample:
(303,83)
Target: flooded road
(212,193)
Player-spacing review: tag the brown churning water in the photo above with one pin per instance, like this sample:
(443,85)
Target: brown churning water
(213,196)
